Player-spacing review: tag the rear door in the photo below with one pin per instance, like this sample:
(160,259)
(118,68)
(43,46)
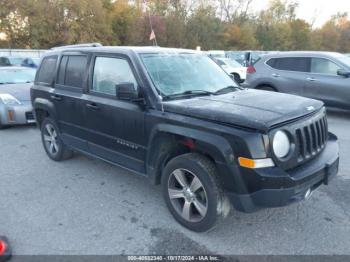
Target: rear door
(325,84)
(116,127)
(287,74)
(68,98)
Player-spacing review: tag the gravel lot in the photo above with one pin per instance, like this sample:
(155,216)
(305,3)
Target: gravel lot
(86,206)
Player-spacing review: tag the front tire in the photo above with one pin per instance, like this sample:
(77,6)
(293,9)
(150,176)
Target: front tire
(52,142)
(192,192)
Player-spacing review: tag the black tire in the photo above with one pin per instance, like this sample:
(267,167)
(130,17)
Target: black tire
(267,88)
(237,78)
(60,152)
(195,165)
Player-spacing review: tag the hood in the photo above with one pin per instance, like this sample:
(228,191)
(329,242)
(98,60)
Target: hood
(19,91)
(248,108)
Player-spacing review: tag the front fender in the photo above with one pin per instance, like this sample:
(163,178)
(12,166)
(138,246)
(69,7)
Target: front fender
(218,147)
(214,145)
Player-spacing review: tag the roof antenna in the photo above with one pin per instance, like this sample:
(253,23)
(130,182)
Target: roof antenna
(152,36)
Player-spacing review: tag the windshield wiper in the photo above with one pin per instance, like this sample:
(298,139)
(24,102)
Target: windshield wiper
(227,89)
(188,93)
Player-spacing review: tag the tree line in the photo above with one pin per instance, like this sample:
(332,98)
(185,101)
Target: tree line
(211,24)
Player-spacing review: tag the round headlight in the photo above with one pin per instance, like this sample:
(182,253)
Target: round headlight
(281,144)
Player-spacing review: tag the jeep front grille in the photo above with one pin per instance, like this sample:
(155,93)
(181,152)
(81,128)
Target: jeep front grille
(311,139)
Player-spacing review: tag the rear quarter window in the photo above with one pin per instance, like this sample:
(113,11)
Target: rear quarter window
(46,72)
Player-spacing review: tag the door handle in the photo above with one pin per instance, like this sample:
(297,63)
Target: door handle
(92,106)
(311,79)
(56,97)
(275,75)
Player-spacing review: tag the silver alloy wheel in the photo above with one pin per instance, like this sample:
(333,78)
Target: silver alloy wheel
(187,195)
(50,138)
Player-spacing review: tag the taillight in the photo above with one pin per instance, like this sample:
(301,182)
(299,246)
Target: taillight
(251,69)
(3,247)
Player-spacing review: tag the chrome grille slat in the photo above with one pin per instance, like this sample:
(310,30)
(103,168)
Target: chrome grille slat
(307,140)
(319,134)
(324,127)
(314,136)
(302,145)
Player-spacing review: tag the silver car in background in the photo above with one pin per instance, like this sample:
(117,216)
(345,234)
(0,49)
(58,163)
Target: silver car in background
(15,104)
(319,75)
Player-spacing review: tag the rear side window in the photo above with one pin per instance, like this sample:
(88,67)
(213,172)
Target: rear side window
(71,71)
(46,73)
(298,64)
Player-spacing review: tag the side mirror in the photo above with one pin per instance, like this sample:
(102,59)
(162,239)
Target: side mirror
(126,91)
(344,73)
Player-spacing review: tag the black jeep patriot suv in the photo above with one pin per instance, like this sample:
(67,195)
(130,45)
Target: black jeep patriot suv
(177,118)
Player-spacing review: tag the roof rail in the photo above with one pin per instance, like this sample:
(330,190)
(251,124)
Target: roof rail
(77,46)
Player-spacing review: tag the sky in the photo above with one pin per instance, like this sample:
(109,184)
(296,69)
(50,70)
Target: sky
(313,10)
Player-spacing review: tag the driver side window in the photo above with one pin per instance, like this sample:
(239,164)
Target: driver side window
(324,66)
(109,72)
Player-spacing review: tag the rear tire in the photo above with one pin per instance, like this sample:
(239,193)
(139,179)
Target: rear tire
(267,88)
(237,78)
(52,142)
(192,192)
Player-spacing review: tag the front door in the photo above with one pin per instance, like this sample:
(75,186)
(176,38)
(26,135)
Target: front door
(116,127)
(325,84)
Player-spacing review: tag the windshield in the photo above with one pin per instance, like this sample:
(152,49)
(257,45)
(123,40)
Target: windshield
(345,60)
(16,76)
(16,60)
(177,73)
(230,62)
(238,56)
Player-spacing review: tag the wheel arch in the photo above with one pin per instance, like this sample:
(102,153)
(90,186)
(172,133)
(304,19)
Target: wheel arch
(168,141)
(260,85)
(43,108)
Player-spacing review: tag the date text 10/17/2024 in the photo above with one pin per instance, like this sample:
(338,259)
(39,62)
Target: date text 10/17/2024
(174,258)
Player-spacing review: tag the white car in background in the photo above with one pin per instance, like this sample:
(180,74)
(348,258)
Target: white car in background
(216,53)
(233,68)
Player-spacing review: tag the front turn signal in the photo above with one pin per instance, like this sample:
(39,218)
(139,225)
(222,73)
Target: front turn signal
(255,163)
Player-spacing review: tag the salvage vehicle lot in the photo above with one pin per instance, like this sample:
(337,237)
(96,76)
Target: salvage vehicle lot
(86,206)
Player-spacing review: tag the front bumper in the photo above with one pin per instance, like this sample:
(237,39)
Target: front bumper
(280,188)
(16,115)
